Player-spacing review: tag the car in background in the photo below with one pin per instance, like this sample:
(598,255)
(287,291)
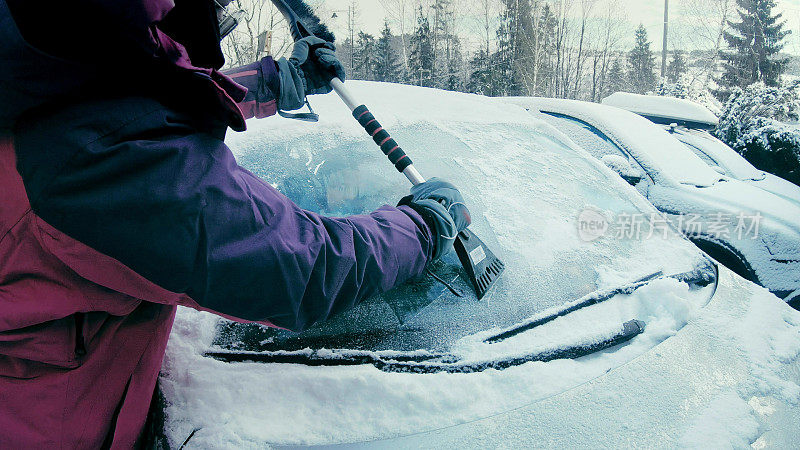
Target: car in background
(669,341)
(692,123)
(753,232)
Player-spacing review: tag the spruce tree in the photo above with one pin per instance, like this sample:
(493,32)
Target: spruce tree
(482,79)
(420,59)
(387,66)
(453,80)
(642,75)
(754,43)
(617,79)
(515,46)
(364,57)
(545,64)
(677,67)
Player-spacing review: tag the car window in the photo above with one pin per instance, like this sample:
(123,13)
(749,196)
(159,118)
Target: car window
(589,138)
(525,189)
(726,157)
(706,158)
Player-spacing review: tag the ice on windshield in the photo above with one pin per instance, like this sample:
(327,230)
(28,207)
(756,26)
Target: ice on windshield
(525,188)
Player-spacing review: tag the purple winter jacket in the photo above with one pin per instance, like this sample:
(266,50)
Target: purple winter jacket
(119,201)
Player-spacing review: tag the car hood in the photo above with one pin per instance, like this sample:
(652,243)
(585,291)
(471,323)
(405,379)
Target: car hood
(734,366)
(729,197)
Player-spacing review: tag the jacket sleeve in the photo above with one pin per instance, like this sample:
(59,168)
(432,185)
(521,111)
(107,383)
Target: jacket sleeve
(172,204)
(263,87)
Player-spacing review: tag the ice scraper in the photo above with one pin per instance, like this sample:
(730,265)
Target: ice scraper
(481,265)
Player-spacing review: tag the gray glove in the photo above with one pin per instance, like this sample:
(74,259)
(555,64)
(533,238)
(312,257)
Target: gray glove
(308,71)
(442,207)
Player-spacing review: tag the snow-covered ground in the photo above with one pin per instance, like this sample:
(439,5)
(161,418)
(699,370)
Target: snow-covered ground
(715,365)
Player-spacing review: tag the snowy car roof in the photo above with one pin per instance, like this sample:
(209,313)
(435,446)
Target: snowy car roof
(664,157)
(660,107)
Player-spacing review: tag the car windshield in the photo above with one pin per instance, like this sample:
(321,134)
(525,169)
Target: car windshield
(526,190)
(664,159)
(589,138)
(724,156)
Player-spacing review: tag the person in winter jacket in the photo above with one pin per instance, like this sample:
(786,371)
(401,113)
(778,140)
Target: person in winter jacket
(119,201)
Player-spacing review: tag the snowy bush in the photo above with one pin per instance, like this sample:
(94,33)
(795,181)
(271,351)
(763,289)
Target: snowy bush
(682,88)
(678,89)
(761,123)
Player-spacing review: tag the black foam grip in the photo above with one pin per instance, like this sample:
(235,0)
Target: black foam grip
(382,137)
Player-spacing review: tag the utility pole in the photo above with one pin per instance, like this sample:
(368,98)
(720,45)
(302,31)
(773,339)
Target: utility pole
(664,49)
(351,29)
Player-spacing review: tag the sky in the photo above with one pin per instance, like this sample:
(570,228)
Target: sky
(650,13)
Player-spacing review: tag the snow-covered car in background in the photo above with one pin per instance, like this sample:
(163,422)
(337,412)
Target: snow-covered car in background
(751,231)
(690,123)
(701,356)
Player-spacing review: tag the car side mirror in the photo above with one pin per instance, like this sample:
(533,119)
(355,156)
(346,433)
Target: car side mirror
(624,168)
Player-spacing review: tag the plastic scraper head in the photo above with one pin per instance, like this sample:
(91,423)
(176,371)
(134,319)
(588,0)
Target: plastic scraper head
(481,265)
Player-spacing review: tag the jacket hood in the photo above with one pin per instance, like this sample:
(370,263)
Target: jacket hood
(86,48)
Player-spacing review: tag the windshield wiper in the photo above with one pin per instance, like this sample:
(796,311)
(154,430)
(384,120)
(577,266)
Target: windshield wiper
(698,276)
(421,361)
(425,362)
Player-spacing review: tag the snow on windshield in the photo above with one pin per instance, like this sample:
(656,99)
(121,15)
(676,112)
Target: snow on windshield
(731,161)
(524,188)
(664,158)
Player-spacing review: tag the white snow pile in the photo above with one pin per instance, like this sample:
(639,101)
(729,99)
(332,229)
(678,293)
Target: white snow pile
(662,107)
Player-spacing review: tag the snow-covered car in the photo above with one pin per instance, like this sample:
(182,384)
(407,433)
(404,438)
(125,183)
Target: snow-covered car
(753,232)
(691,123)
(658,345)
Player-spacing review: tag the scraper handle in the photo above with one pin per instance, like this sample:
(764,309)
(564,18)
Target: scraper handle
(390,148)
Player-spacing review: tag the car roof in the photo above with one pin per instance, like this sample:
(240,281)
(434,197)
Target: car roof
(664,110)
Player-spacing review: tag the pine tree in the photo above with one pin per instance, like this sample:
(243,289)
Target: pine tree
(617,79)
(642,64)
(677,67)
(515,46)
(482,79)
(754,44)
(420,59)
(545,64)
(364,57)
(387,65)
(455,66)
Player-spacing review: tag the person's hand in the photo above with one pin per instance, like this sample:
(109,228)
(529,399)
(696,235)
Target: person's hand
(308,71)
(442,207)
